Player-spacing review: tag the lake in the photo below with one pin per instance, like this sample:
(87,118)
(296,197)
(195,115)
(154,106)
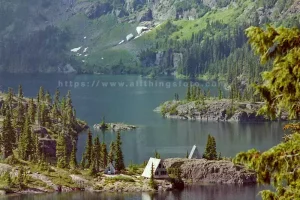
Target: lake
(132,99)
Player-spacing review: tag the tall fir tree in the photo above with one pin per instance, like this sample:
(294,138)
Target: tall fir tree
(210,149)
(61,151)
(41,94)
(8,136)
(111,155)
(119,162)
(87,155)
(26,141)
(32,111)
(96,153)
(104,155)
(20,92)
(73,159)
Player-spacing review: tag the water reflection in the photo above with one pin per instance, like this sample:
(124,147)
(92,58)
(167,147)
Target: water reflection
(207,192)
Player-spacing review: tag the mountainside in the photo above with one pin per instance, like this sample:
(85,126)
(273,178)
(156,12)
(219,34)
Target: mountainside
(197,38)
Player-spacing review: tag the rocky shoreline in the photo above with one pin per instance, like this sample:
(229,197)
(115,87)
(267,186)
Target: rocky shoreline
(115,127)
(207,171)
(214,110)
(193,172)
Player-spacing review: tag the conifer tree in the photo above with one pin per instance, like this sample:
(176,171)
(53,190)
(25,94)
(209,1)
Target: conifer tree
(20,92)
(111,155)
(96,153)
(87,156)
(56,97)
(73,160)
(19,116)
(41,94)
(37,150)
(210,149)
(152,182)
(48,98)
(26,141)
(104,155)
(8,136)
(156,155)
(119,154)
(61,151)
(31,111)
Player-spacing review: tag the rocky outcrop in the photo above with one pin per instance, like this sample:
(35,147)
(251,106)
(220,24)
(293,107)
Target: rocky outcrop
(214,110)
(145,16)
(115,127)
(96,10)
(205,171)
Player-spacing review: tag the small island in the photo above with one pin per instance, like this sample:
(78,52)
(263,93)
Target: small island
(200,105)
(114,126)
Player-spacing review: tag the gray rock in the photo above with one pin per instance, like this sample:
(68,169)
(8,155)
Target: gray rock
(202,170)
(96,10)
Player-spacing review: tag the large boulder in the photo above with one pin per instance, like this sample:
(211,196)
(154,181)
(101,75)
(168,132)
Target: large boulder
(205,171)
(96,10)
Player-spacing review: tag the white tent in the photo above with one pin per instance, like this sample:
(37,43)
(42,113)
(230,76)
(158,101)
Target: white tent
(110,169)
(159,169)
(194,153)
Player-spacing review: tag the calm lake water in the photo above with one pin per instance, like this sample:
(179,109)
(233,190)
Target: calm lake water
(132,99)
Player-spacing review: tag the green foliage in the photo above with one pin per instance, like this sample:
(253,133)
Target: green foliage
(119,159)
(61,151)
(8,136)
(111,155)
(104,155)
(73,160)
(280,89)
(119,178)
(152,182)
(87,155)
(174,172)
(210,149)
(156,155)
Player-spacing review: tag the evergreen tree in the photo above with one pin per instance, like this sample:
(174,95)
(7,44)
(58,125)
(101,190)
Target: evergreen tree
(187,154)
(56,97)
(37,150)
(96,154)
(8,136)
(41,94)
(26,142)
(87,156)
(119,154)
(73,160)
(210,149)
(20,92)
(61,151)
(31,111)
(48,98)
(111,155)
(104,155)
(280,91)
(152,182)
(156,155)
(19,116)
